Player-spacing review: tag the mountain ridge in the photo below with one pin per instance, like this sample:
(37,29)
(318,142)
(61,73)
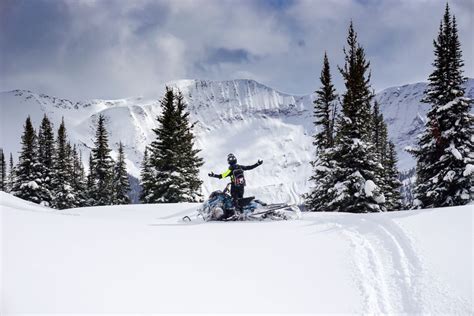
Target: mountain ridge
(241,116)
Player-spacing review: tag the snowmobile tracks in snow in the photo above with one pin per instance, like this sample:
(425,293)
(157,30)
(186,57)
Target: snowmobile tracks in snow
(387,269)
(388,265)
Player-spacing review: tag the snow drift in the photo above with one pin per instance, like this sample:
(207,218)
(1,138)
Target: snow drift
(142,258)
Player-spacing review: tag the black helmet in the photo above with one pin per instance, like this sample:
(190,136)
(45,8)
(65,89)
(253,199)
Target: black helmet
(231,159)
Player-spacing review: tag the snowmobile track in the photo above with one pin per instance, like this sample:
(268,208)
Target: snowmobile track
(389,269)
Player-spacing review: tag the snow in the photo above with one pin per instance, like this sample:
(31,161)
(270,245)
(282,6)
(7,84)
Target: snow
(465,195)
(380,198)
(455,152)
(469,170)
(449,176)
(144,259)
(369,187)
(448,105)
(32,185)
(322,168)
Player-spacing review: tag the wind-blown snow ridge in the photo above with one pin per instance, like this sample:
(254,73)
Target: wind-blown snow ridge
(241,116)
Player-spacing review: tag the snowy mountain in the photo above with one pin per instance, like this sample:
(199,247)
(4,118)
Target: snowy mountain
(405,116)
(240,116)
(144,259)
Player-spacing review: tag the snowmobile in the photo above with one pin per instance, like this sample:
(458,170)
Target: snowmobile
(220,206)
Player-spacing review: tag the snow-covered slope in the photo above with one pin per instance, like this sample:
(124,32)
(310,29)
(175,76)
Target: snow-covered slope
(142,258)
(240,116)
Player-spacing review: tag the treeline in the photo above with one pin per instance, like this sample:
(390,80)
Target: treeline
(50,170)
(354,169)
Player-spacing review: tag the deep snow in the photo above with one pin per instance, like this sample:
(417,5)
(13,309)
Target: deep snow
(143,258)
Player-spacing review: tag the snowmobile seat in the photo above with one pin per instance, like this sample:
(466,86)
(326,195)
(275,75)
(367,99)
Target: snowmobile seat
(243,202)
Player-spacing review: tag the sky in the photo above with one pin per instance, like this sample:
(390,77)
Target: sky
(83,49)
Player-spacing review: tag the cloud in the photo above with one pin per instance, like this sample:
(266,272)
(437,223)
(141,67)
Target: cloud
(111,49)
(223,55)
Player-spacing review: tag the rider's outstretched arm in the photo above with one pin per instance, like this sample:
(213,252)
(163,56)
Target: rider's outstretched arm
(214,175)
(220,176)
(252,166)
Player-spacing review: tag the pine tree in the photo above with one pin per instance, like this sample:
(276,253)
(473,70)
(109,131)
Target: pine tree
(324,107)
(102,193)
(391,179)
(64,195)
(189,161)
(78,180)
(121,185)
(11,175)
(445,150)
(46,154)
(90,186)
(163,154)
(407,188)
(173,160)
(380,141)
(27,183)
(3,172)
(323,165)
(146,179)
(379,131)
(355,188)
(384,140)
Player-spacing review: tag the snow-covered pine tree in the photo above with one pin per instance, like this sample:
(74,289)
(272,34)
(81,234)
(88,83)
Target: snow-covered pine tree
(78,179)
(381,147)
(3,171)
(121,184)
(90,185)
(324,107)
(391,180)
(103,166)
(189,161)
(11,174)
(46,154)
(324,164)
(384,139)
(27,183)
(64,195)
(163,154)
(174,162)
(355,187)
(146,180)
(445,150)
(407,178)
(379,132)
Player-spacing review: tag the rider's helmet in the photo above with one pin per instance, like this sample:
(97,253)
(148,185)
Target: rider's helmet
(231,159)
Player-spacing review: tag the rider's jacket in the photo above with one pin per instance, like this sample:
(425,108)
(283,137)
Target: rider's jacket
(236,173)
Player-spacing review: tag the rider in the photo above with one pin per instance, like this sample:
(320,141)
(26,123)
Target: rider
(236,173)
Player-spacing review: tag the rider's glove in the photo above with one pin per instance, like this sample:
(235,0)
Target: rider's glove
(260,162)
(211,174)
